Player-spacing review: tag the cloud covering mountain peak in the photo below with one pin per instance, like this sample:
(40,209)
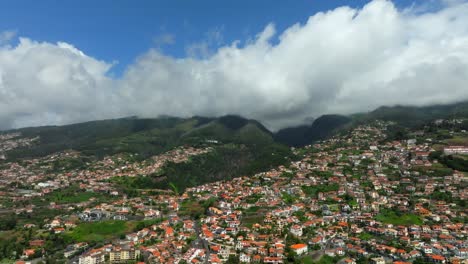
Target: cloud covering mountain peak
(341,61)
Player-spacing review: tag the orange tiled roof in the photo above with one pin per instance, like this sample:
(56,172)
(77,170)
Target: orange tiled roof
(298,246)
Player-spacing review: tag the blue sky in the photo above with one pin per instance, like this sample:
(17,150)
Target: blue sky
(117,30)
(67,61)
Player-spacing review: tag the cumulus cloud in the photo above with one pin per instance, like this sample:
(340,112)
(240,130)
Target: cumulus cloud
(341,61)
(6,36)
(207,47)
(43,83)
(164,39)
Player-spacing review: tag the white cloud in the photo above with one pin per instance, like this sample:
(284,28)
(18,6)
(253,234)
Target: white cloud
(164,39)
(341,61)
(207,47)
(7,36)
(43,83)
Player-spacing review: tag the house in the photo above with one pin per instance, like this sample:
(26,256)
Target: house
(92,257)
(455,150)
(28,253)
(37,243)
(415,254)
(379,260)
(69,224)
(59,230)
(244,258)
(273,260)
(340,251)
(349,261)
(427,250)
(296,230)
(22,262)
(123,254)
(462,252)
(299,249)
(436,258)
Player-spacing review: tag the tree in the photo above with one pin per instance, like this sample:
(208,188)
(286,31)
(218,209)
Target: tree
(233,259)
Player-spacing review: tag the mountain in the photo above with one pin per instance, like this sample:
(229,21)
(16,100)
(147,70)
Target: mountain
(232,128)
(105,136)
(404,116)
(239,146)
(146,137)
(409,116)
(321,128)
(150,136)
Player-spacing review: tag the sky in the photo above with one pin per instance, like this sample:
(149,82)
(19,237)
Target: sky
(280,62)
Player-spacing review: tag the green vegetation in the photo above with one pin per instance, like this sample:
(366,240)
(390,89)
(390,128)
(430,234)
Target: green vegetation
(252,209)
(411,116)
(98,138)
(223,163)
(436,170)
(245,147)
(131,185)
(60,197)
(312,191)
(145,137)
(68,164)
(9,243)
(37,216)
(365,236)
(72,194)
(321,128)
(323,260)
(288,198)
(453,162)
(147,223)
(196,209)
(174,188)
(250,218)
(444,196)
(253,198)
(396,218)
(192,208)
(8,222)
(99,231)
(457,140)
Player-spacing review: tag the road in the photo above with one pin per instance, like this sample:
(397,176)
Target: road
(200,242)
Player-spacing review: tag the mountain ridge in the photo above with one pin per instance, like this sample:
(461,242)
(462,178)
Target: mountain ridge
(152,135)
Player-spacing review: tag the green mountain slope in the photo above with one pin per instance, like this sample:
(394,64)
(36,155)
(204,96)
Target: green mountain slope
(240,146)
(321,128)
(231,129)
(155,135)
(145,136)
(413,115)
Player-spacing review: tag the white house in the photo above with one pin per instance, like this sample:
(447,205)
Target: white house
(300,249)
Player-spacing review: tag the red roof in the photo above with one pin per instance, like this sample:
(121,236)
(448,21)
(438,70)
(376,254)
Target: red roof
(298,246)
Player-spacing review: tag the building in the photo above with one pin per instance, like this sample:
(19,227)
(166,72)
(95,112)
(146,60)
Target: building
(456,150)
(379,260)
(296,230)
(92,257)
(299,249)
(123,254)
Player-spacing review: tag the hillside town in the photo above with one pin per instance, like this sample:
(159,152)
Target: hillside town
(358,197)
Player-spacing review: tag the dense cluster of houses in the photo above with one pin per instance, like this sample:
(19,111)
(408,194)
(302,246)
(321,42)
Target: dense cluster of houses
(34,178)
(352,198)
(11,141)
(370,178)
